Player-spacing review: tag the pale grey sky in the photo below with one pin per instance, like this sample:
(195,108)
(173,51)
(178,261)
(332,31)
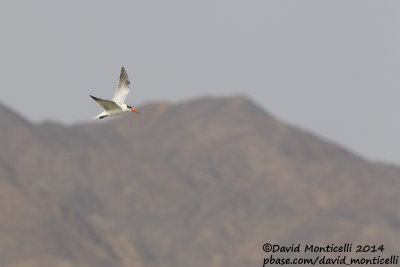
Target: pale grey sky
(331,67)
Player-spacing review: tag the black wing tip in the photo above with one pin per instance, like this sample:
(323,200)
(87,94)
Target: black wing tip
(123,71)
(124,75)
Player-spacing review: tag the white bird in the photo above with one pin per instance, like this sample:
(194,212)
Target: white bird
(116,106)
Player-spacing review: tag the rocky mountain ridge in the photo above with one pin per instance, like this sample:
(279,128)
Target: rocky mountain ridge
(200,183)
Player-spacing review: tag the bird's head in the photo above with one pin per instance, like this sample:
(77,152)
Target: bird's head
(132,109)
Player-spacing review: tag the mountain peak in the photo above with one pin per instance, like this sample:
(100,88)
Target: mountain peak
(211,107)
(204,114)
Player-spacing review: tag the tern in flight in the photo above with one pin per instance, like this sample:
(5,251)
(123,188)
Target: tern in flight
(116,106)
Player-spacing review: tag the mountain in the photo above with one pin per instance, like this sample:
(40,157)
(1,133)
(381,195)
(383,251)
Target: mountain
(200,183)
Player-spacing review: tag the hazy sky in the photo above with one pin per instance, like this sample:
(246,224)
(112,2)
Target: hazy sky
(331,67)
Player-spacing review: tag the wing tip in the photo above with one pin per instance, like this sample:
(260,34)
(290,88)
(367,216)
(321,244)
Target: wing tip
(123,78)
(123,71)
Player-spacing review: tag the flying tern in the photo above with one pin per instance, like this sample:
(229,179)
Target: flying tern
(116,106)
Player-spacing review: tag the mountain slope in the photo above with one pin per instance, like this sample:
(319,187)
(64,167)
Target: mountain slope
(201,183)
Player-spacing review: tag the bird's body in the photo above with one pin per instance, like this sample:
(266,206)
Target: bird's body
(116,106)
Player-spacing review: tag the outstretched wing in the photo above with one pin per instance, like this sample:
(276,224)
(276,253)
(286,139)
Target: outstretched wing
(106,104)
(123,88)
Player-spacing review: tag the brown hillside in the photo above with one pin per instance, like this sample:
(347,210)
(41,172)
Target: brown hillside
(201,183)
